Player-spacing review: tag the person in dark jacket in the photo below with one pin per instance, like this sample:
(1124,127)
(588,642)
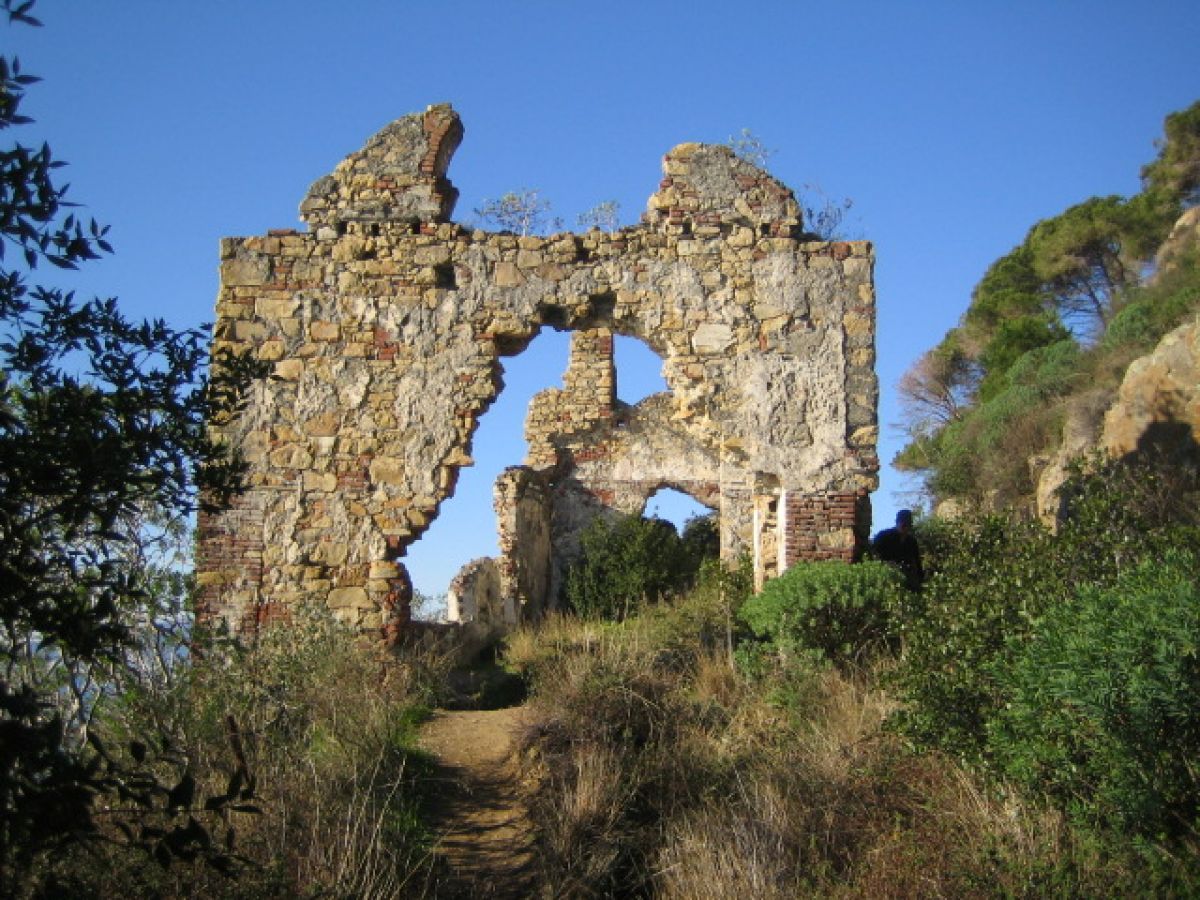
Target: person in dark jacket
(899,547)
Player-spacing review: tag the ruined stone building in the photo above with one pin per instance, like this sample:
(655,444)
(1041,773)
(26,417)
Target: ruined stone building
(385,322)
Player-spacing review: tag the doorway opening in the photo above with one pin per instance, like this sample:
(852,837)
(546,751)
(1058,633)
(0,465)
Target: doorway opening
(465,526)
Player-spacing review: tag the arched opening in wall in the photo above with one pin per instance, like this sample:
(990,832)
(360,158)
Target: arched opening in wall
(639,369)
(695,523)
(465,527)
(675,507)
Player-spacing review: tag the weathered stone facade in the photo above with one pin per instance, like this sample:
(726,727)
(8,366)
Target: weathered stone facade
(385,323)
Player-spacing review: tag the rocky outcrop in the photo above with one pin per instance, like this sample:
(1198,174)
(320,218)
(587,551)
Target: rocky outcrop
(1158,404)
(1156,409)
(1184,237)
(1080,436)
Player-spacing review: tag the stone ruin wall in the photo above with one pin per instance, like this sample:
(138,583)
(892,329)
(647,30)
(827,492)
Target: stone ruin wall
(385,322)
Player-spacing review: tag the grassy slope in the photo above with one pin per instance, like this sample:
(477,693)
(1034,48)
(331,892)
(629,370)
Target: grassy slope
(666,770)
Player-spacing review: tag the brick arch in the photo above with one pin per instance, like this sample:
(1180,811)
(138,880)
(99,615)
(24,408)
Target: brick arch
(385,322)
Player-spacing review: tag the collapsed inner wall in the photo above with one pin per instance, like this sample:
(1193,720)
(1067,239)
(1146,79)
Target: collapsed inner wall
(384,323)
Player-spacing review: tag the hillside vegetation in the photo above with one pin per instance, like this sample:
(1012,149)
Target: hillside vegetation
(1053,323)
(1025,726)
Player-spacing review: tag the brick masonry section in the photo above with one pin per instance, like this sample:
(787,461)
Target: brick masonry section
(826,526)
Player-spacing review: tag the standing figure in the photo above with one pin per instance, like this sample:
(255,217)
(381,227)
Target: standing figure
(898,546)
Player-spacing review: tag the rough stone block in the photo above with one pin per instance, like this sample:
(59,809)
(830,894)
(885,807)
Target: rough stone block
(711,339)
(245,271)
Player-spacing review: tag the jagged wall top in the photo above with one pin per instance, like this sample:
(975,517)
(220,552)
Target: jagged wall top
(399,175)
(707,189)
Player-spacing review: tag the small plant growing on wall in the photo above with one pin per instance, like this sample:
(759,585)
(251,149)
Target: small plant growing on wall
(522,212)
(606,216)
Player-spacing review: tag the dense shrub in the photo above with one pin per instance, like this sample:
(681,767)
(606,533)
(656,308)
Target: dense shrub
(1104,709)
(985,454)
(837,609)
(1017,341)
(996,576)
(627,562)
(1151,311)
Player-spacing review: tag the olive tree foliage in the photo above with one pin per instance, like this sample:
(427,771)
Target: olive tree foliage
(103,451)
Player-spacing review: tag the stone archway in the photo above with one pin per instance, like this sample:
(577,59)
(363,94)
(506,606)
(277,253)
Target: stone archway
(384,323)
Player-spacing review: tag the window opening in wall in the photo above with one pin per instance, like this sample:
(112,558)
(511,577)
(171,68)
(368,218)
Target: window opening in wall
(674,506)
(639,369)
(465,527)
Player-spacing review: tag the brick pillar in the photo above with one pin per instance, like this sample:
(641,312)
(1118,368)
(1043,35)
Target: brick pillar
(823,526)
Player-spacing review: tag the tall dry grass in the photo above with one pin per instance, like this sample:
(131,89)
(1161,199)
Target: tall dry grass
(327,728)
(663,770)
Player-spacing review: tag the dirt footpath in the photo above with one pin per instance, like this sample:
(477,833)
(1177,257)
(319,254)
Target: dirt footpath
(485,833)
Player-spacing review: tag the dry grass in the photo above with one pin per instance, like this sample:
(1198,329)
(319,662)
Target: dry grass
(663,771)
(531,647)
(327,729)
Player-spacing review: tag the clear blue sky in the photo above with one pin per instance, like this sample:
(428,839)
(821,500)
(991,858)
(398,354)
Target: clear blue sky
(953,126)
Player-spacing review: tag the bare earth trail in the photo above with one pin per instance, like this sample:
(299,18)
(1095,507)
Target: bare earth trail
(484,831)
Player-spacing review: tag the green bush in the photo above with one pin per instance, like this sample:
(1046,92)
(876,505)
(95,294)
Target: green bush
(1152,311)
(995,576)
(630,561)
(984,454)
(987,453)
(837,609)
(1104,715)
(1014,341)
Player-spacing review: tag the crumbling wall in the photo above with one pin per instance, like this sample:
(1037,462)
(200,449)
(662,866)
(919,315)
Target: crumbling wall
(385,323)
(475,595)
(524,509)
